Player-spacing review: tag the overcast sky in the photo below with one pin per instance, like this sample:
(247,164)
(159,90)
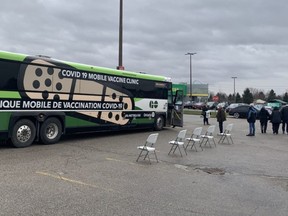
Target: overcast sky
(247,39)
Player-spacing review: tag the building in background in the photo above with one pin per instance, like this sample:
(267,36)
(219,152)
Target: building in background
(200,91)
(180,86)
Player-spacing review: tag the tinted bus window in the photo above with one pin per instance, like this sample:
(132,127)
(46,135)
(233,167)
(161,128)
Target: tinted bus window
(9,71)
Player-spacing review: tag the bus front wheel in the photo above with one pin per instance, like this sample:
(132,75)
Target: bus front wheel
(23,133)
(159,123)
(51,131)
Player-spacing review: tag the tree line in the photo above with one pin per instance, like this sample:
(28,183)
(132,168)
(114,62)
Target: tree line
(248,96)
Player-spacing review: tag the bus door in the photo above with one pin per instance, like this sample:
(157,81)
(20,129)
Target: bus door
(177,112)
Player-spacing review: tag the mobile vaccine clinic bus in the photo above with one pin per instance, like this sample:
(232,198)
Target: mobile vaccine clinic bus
(43,98)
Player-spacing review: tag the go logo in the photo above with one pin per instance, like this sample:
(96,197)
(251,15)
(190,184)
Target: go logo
(153,104)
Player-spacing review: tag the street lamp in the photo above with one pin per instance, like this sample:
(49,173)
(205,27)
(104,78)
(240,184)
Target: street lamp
(190,54)
(234,88)
(120,66)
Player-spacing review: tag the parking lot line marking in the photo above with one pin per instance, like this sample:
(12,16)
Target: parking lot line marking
(73,181)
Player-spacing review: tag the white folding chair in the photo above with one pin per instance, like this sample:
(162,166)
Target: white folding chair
(209,135)
(148,147)
(195,138)
(226,134)
(179,141)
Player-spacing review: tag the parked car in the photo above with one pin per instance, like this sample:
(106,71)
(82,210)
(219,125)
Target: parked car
(240,111)
(233,105)
(223,105)
(189,104)
(198,105)
(211,105)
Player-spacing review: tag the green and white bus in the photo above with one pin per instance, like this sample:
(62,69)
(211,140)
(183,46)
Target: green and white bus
(43,98)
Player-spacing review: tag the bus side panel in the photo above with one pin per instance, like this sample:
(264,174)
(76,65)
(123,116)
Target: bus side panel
(4,124)
(88,100)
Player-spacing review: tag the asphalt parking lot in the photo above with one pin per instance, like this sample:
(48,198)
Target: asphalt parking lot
(97,174)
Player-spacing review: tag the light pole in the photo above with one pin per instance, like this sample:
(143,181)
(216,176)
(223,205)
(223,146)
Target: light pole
(190,54)
(234,88)
(120,66)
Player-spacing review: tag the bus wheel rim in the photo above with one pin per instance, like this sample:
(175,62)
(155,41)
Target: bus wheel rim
(52,131)
(24,133)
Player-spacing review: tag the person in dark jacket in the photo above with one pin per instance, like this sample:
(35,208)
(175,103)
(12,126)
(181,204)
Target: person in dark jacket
(275,120)
(221,117)
(251,118)
(204,114)
(284,118)
(264,116)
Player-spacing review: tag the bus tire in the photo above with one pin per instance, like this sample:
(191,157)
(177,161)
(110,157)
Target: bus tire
(51,131)
(23,133)
(159,123)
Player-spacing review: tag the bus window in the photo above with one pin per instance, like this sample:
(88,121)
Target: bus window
(8,71)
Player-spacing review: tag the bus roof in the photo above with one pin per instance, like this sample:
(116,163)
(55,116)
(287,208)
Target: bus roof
(21,58)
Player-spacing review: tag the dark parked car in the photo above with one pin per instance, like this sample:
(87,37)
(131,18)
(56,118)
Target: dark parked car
(199,105)
(189,105)
(233,105)
(211,105)
(240,111)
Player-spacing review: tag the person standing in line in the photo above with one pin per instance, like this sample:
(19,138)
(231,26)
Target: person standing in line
(264,116)
(251,118)
(221,117)
(204,114)
(275,120)
(284,118)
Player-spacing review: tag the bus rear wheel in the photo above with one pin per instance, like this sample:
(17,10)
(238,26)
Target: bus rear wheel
(23,133)
(159,123)
(51,131)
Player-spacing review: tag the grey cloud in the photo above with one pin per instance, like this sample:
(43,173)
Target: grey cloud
(243,38)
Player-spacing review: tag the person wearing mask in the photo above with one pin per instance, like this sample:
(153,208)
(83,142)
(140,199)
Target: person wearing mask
(251,119)
(221,117)
(275,120)
(264,116)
